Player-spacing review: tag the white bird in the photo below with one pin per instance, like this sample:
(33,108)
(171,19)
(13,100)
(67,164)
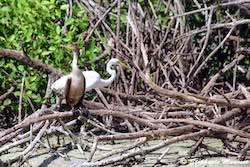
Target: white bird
(92,79)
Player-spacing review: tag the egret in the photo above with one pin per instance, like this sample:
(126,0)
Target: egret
(92,78)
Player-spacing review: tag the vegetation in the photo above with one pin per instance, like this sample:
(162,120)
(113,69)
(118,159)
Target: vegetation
(39,28)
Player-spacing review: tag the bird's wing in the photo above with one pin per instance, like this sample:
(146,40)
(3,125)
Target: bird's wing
(92,79)
(60,83)
(67,89)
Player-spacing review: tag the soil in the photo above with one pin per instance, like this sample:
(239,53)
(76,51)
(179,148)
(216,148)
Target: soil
(43,158)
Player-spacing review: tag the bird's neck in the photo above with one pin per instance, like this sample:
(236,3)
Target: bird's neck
(109,70)
(74,62)
(112,73)
(107,82)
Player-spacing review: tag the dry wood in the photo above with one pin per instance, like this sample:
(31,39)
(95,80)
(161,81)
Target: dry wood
(5,95)
(25,59)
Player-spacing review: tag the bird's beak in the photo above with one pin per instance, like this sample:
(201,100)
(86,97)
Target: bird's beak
(123,64)
(67,47)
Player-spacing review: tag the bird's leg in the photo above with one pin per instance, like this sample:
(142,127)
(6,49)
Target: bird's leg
(82,109)
(77,110)
(58,104)
(58,139)
(76,113)
(58,108)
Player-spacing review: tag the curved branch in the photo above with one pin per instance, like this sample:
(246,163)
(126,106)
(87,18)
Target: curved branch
(21,57)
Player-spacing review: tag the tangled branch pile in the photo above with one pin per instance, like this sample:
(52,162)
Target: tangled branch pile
(185,81)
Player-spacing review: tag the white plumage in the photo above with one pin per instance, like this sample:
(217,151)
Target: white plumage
(92,78)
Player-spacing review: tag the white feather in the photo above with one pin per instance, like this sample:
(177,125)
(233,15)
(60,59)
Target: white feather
(92,78)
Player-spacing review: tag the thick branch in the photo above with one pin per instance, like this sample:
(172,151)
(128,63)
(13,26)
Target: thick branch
(21,57)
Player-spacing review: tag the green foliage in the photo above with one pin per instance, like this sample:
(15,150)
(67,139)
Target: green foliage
(38,28)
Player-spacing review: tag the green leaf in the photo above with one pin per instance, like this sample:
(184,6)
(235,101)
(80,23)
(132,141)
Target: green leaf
(5,9)
(1,107)
(45,53)
(20,68)
(69,21)
(33,87)
(6,102)
(64,7)
(17,93)
(32,79)
(2,38)
(52,48)
(124,19)
(11,38)
(33,96)
(80,13)
(29,93)
(58,30)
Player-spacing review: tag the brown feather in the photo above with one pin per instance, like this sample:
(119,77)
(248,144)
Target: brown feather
(84,87)
(67,90)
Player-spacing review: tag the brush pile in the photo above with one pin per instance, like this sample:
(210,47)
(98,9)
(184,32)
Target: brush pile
(185,81)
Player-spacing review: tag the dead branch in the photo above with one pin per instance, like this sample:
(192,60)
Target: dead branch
(25,59)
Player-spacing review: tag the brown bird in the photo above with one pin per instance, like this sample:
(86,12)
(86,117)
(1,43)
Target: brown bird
(75,85)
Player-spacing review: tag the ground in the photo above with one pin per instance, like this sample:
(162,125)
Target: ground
(42,158)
